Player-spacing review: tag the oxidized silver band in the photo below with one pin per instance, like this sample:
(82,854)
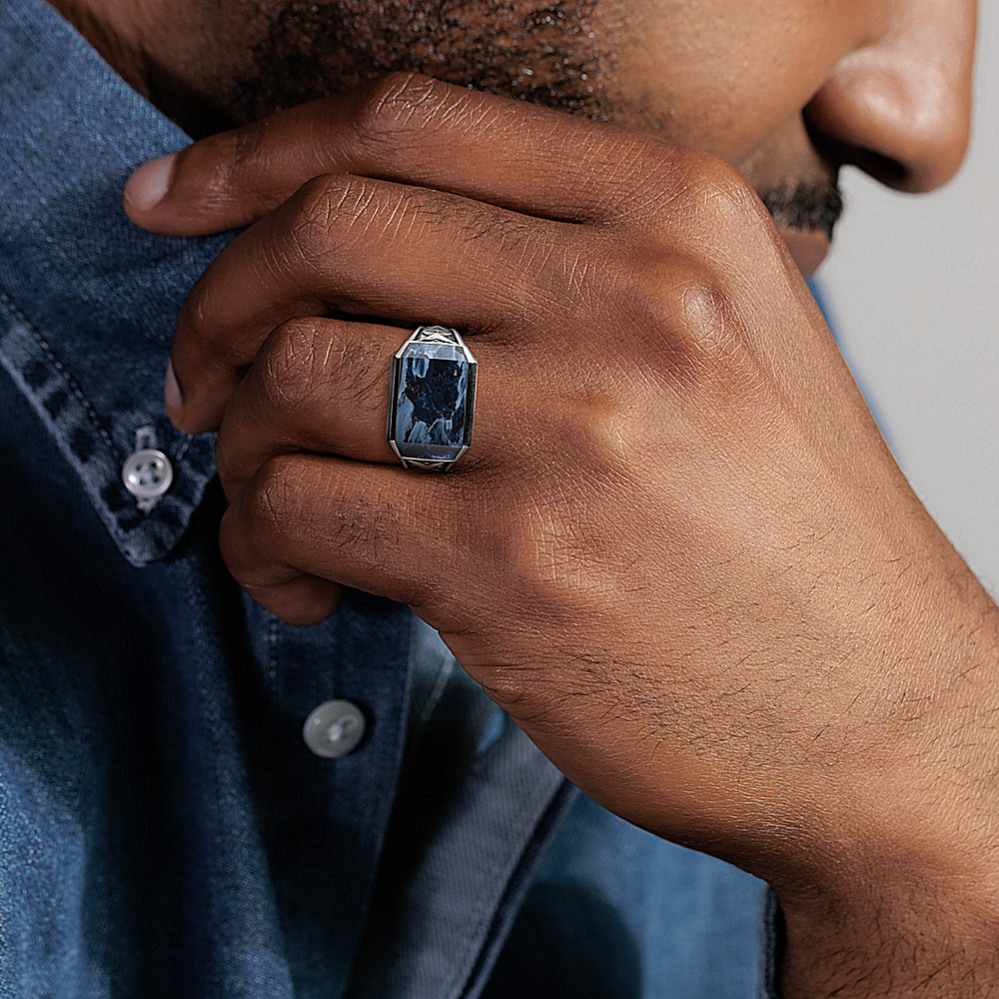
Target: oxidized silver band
(431,399)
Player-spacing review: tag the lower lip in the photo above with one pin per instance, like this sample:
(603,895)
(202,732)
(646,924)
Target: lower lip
(808,247)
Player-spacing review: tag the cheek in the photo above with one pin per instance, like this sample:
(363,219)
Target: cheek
(720,75)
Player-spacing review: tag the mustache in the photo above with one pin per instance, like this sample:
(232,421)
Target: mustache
(805,205)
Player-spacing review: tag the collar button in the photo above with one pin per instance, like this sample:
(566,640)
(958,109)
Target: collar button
(147,474)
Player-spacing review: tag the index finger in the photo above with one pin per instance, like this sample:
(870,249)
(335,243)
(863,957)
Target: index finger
(403,127)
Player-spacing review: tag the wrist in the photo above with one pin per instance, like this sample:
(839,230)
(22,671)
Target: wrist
(920,932)
(900,894)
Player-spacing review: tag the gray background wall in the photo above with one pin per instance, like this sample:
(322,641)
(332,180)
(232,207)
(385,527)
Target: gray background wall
(913,286)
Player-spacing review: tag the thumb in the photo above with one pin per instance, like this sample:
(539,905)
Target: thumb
(231,179)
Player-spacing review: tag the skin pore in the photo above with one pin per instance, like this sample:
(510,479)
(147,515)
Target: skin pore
(211,66)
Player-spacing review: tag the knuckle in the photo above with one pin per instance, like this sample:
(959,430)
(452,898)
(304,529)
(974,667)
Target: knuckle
(254,528)
(357,365)
(358,520)
(719,194)
(530,552)
(211,172)
(321,199)
(340,200)
(397,105)
(289,364)
(533,543)
(682,308)
(674,294)
(197,322)
(697,303)
(269,500)
(308,354)
(554,567)
(594,434)
(728,194)
(695,193)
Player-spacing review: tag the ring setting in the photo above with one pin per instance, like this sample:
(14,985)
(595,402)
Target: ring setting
(431,399)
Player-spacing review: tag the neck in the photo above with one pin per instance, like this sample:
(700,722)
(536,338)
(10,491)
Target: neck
(114,30)
(168,52)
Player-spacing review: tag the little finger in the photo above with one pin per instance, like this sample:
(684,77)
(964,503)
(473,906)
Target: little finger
(386,531)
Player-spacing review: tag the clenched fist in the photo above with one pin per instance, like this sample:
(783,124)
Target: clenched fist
(678,552)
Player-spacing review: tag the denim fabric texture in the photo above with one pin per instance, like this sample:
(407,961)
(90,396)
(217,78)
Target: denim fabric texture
(164,830)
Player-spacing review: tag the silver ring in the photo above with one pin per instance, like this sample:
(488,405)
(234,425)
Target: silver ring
(431,399)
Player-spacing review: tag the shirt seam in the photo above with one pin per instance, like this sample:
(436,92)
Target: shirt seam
(486,909)
(32,328)
(100,469)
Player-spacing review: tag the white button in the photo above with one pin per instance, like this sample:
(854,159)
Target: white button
(334,728)
(147,473)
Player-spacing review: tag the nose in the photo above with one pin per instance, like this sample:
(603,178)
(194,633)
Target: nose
(899,105)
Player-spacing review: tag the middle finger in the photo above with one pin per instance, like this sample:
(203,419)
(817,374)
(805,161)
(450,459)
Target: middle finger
(365,247)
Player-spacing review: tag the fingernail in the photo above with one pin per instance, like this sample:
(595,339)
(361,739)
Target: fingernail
(146,188)
(171,391)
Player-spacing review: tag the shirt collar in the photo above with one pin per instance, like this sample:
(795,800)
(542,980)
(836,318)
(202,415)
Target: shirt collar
(88,301)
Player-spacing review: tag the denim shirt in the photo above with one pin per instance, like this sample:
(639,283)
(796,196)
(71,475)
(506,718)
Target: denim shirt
(165,830)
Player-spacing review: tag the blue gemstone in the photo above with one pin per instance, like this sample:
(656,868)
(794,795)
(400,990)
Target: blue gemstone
(431,401)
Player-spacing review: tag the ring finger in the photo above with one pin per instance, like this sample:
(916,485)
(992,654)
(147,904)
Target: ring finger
(317,385)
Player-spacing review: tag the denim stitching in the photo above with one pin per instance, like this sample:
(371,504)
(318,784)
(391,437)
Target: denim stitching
(67,377)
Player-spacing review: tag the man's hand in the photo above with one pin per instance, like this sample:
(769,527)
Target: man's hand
(678,552)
